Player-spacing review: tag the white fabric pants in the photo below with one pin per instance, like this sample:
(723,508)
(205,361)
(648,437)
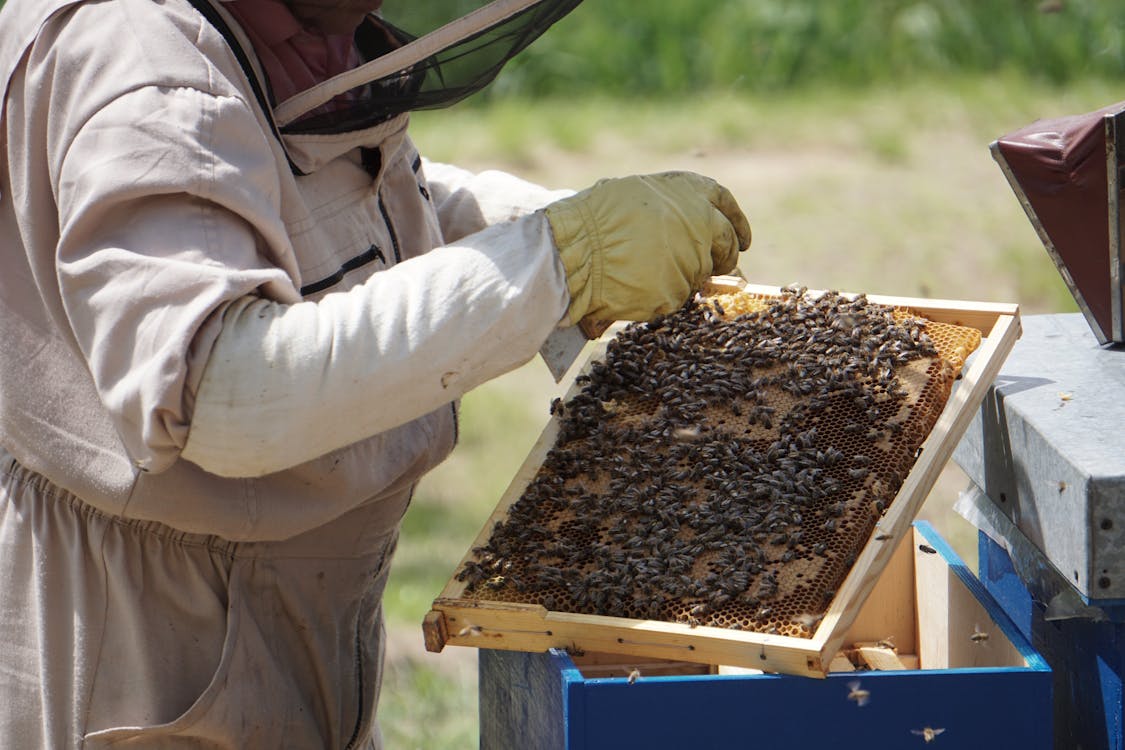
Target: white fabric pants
(119,633)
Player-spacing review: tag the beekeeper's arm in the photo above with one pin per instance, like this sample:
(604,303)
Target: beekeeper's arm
(467,202)
(180,294)
(432,328)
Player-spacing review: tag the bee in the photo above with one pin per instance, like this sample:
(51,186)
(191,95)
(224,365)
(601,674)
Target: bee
(887,643)
(978,635)
(809,621)
(687,434)
(469,629)
(634,675)
(858,694)
(928,734)
(927,549)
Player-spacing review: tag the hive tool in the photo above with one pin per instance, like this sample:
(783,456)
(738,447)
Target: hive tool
(563,346)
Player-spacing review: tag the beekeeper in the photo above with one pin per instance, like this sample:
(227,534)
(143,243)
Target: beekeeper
(237,310)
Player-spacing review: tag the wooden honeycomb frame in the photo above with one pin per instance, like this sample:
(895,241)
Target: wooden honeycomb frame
(469,620)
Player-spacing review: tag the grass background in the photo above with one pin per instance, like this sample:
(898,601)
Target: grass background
(854,133)
(662,47)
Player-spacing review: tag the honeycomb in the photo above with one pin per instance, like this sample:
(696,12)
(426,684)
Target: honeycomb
(723,465)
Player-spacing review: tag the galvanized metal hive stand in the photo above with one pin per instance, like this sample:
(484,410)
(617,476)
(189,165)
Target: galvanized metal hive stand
(1046,459)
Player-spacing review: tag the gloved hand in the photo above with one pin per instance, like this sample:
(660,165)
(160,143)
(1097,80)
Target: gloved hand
(637,247)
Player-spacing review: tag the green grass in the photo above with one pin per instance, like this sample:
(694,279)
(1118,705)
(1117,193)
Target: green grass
(426,708)
(754,46)
(880,119)
(889,190)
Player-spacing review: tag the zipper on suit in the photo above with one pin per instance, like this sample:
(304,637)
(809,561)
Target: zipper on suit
(390,229)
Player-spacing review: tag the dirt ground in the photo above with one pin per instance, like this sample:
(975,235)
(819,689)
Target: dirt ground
(927,219)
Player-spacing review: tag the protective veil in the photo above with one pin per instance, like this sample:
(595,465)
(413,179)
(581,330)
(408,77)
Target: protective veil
(435,70)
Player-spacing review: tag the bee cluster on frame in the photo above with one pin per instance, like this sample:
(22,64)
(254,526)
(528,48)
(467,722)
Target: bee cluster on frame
(724,464)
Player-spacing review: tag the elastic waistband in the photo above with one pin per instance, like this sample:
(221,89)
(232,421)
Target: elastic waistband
(17,474)
(357,533)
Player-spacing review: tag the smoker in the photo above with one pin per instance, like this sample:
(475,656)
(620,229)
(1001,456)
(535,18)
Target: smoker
(1067,174)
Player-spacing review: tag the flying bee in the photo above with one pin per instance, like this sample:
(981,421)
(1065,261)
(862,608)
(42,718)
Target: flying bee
(978,635)
(928,734)
(634,675)
(469,629)
(858,694)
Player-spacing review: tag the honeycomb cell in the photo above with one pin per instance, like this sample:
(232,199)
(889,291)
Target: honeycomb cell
(725,464)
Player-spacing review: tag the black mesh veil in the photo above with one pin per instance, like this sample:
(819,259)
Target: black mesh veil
(403,73)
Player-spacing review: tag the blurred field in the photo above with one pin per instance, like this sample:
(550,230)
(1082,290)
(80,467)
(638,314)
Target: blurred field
(889,190)
(675,47)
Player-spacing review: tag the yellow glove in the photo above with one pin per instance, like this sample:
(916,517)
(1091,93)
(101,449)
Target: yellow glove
(637,247)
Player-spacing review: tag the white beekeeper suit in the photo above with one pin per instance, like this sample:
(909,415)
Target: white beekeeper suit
(228,355)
